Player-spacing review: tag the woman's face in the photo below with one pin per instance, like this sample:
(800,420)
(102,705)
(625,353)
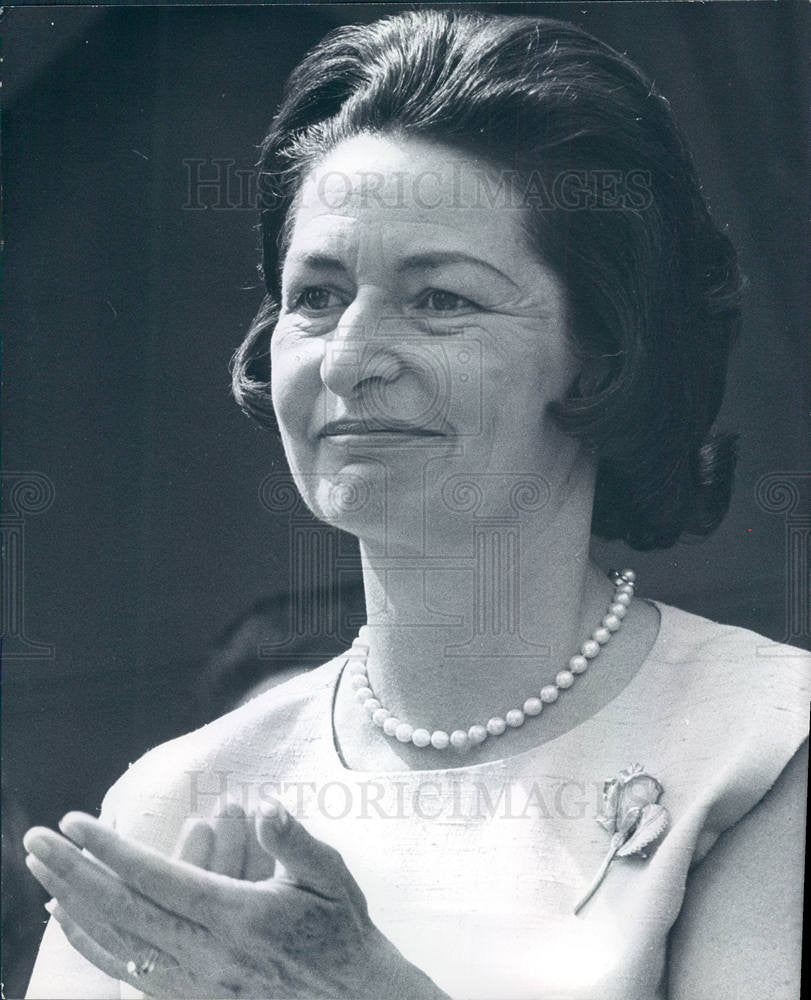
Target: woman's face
(418,344)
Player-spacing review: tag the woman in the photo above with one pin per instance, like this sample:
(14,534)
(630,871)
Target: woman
(498,319)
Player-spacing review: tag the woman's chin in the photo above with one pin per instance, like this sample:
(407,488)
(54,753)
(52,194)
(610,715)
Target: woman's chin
(351,499)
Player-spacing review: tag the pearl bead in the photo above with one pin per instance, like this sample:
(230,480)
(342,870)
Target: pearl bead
(477,734)
(459,740)
(380,716)
(390,725)
(578,664)
(496,726)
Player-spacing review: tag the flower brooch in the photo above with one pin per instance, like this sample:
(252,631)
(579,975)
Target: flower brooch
(632,815)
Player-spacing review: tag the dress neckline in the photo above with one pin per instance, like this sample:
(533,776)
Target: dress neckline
(330,739)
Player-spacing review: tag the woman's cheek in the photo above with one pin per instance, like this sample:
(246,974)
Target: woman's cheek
(295,380)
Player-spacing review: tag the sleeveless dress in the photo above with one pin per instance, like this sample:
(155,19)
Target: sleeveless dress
(473,872)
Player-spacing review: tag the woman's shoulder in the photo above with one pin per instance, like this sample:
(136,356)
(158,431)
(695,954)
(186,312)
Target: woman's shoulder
(278,710)
(737,662)
(273,725)
(698,630)
(730,708)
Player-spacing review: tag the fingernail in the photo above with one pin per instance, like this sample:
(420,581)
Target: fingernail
(73,829)
(37,868)
(276,813)
(38,845)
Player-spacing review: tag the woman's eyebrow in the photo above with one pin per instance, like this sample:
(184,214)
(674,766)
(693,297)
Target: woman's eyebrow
(317,261)
(440,258)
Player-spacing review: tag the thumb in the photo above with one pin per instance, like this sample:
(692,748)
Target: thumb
(307,861)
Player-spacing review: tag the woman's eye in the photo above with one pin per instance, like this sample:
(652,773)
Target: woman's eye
(439,301)
(316,298)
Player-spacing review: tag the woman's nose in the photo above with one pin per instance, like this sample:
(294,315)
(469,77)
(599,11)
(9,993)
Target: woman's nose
(366,347)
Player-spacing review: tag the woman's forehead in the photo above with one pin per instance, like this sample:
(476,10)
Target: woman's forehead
(403,198)
(397,171)
(406,240)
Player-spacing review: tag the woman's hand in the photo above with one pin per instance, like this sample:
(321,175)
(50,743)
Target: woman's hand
(227,844)
(303,933)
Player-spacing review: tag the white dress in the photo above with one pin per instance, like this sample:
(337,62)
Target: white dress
(473,872)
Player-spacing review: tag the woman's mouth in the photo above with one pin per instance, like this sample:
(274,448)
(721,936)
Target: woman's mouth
(368,428)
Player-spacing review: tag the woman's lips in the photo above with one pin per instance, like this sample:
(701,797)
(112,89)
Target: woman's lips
(354,428)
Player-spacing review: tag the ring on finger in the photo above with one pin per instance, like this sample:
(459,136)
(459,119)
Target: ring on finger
(137,967)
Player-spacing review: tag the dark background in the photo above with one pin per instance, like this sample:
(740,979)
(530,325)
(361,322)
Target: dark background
(122,306)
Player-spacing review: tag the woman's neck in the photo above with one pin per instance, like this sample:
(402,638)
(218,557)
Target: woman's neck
(473,630)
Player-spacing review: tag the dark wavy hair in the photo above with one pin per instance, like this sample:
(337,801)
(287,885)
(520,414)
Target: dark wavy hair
(616,212)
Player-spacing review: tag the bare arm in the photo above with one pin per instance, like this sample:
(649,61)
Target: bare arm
(739,934)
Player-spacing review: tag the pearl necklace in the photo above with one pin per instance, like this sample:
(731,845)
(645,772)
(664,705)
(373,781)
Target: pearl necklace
(464,739)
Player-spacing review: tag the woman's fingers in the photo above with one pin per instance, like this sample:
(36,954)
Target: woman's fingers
(218,845)
(111,950)
(240,856)
(227,935)
(307,861)
(230,841)
(91,890)
(87,947)
(195,843)
(175,885)
(260,865)
(114,943)
(179,907)
(188,960)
